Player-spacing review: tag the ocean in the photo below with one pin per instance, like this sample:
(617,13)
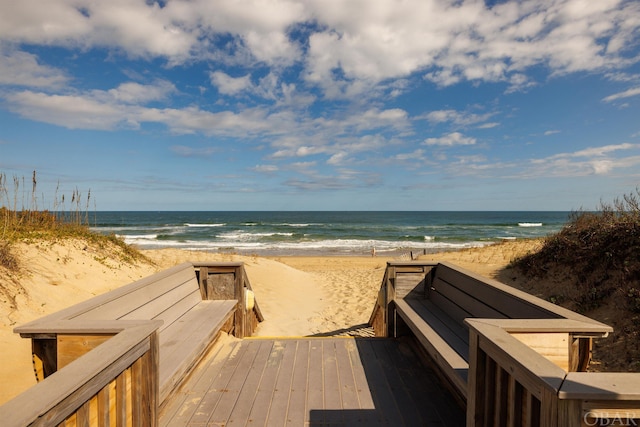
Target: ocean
(324,233)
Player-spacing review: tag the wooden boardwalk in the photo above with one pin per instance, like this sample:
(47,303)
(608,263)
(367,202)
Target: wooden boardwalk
(312,382)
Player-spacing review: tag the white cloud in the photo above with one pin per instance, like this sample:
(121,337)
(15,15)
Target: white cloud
(456,117)
(70,111)
(338,158)
(590,161)
(489,125)
(266,168)
(23,69)
(136,93)
(184,151)
(352,47)
(621,95)
(551,132)
(177,31)
(103,110)
(454,41)
(601,151)
(228,85)
(450,140)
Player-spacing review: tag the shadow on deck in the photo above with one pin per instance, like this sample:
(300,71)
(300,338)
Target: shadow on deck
(312,381)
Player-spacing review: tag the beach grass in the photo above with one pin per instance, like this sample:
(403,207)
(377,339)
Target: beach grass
(21,220)
(598,251)
(593,266)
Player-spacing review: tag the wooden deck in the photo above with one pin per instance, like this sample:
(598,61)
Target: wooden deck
(312,381)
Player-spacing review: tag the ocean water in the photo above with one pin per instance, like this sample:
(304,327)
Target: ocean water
(324,233)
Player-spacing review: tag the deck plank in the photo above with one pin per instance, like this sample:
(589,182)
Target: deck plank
(368,415)
(348,394)
(386,406)
(332,388)
(298,397)
(312,381)
(230,395)
(283,388)
(390,360)
(187,400)
(315,391)
(247,397)
(264,395)
(216,390)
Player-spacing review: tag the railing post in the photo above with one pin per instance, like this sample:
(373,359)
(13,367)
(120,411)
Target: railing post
(240,315)
(203,279)
(475,384)
(390,309)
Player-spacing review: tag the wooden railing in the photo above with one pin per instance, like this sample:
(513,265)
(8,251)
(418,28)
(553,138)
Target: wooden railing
(111,377)
(524,372)
(513,384)
(114,384)
(382,318)
(230,281)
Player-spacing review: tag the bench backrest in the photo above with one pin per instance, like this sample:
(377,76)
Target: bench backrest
(163,296)
(463,295)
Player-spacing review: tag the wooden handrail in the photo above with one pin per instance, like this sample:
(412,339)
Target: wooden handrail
(116,380)
(245,321)
(511,384)
(379,318)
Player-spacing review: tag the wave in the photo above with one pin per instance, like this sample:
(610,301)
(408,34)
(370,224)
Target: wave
(530,224)
(326,247)
(138,236)
(204,225)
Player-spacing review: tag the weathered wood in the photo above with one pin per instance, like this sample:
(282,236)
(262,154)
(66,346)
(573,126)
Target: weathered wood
(475,383)
(203,278)
(525,364)
(502,298)
(454,294)
(454,365)
(42,324)
(372,381)
(579,353)
(45,357)
(455,334)
(188,325)
(221,286)
(473,303)
(71,347)
(185,342)
(600,386)
(52,401)
(552,346)
(410,285)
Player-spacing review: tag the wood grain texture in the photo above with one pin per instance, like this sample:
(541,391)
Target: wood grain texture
(325,381)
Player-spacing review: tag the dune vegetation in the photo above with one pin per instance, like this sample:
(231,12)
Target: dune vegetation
(594,262)
(22,220)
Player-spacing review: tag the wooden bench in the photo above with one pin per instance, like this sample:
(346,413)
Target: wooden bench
(182,297)
(431,302)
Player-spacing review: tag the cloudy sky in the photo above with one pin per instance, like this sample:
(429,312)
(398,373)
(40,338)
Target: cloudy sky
(323,104)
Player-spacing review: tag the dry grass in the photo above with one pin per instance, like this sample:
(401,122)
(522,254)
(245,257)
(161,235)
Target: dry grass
(21,220)
(596,258)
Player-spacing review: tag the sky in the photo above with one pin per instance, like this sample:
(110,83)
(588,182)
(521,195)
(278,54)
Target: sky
(321,104)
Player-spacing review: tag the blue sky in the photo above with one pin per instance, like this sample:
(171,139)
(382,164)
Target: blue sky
(323,104)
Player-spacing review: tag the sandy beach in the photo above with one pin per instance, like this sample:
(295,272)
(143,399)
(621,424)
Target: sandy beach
(299,296)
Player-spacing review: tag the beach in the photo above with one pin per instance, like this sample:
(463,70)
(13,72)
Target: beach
(298,295)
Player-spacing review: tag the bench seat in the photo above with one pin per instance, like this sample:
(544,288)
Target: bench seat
(436,335)
(173,296)
(185,341)
(434,304)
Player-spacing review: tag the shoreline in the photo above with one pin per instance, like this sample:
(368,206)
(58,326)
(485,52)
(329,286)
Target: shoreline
(299,295)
